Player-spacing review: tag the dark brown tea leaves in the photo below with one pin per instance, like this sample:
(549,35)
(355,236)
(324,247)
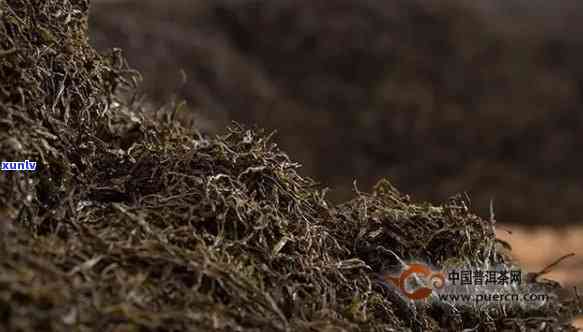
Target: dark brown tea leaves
(131,222)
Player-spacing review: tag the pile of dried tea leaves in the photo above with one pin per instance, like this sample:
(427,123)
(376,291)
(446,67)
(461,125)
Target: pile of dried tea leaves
(132,222)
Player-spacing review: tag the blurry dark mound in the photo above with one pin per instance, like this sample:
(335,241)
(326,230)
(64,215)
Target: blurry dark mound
(427,93)
(132,222)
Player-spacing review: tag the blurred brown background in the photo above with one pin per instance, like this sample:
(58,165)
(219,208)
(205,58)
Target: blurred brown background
(440,96)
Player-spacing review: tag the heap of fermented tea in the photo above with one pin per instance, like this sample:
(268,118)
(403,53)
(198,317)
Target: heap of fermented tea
(131,222)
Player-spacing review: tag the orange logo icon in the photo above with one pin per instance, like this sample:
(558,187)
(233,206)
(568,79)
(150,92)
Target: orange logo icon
(423,272)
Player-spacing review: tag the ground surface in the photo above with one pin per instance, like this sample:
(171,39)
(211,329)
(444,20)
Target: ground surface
(535,248)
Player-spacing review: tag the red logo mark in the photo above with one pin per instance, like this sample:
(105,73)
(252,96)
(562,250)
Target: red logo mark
(423,272)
